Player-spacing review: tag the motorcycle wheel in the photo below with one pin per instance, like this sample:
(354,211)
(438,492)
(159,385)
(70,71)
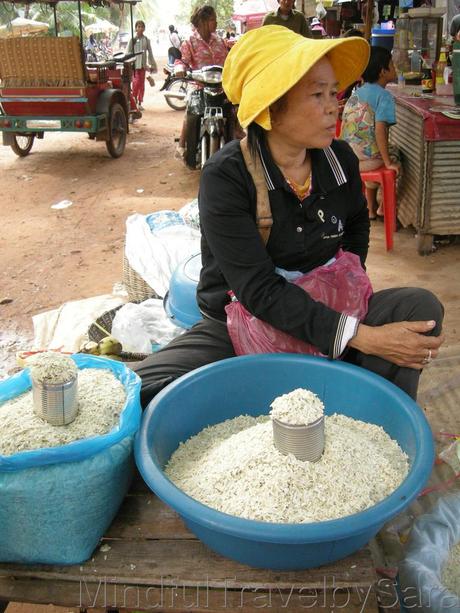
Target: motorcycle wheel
(118,129)
(22,144)
(204,149)
(192,135)
(214,144)
(177,86)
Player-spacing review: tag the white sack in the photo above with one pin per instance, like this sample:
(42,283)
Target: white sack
(154,255)
(432,537)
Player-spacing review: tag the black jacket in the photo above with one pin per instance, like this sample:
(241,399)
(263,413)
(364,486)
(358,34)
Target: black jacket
(304,235)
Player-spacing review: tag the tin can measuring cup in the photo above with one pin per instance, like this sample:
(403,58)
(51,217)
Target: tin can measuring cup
(56,403)
(306,442)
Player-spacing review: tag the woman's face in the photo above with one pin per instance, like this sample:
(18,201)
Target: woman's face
(308,112)
(207,26)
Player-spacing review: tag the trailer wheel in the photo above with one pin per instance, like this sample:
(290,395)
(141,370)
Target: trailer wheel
(22,144)
(118,129)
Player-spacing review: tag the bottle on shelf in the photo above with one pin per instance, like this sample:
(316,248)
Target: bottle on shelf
(440,66)
(415,60)
(427,78)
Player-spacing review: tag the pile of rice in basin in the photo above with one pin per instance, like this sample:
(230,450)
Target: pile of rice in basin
(235,468)
(101,398)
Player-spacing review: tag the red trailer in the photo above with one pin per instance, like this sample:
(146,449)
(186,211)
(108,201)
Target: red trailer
(250,13)
(46,86)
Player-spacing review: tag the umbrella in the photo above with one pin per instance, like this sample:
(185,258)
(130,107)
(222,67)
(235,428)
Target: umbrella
(22,27)
(101,26)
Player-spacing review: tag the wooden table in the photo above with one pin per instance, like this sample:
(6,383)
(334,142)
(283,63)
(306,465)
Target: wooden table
(149,560)
(429,143)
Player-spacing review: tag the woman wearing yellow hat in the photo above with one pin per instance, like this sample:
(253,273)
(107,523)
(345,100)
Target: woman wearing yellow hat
(286,88)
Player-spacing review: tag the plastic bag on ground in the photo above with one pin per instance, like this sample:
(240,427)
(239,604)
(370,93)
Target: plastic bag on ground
(56,503)
(154,248)
(432,537)
(343,285)
(138,326)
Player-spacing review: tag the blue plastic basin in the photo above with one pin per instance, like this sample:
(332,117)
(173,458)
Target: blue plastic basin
(180,302)
(248,385)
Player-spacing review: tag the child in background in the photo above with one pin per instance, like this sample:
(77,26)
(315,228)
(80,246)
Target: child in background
(366,119)
(141,43)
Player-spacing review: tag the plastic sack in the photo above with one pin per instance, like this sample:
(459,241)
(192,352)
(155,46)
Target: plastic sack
(154,248)
(191,214)
(138,326)
(164,219)
(432,537)
(56,503)
(343,286)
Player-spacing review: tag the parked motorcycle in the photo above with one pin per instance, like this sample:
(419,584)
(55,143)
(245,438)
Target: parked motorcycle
(210,116)
(175,88)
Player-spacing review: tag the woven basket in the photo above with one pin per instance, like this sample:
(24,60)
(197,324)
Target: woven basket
(138,290)
(105,321)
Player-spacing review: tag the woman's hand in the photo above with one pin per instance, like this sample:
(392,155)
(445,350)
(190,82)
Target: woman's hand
(403,343)
(394,166)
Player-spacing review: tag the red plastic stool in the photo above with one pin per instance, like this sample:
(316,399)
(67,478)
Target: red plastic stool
(387,179)
(338,128)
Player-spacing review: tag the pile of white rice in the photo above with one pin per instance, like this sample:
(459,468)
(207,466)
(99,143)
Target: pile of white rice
(101,398)
(297,408)
(234,467)
(52,368)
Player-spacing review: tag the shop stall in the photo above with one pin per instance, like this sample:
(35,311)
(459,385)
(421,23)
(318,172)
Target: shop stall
(427,133)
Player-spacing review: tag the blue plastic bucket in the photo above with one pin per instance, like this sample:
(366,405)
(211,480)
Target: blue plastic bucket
(381,37)
(248,384)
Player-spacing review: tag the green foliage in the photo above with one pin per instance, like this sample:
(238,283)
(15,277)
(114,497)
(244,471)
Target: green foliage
(67,14)
(224,10)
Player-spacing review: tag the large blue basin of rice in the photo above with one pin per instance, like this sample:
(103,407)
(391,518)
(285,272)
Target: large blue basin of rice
(249,384)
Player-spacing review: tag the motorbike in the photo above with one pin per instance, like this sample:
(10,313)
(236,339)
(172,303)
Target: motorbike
(175,88)
(210,119)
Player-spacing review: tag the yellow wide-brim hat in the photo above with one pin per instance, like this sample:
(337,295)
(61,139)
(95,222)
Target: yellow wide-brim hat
(266,62)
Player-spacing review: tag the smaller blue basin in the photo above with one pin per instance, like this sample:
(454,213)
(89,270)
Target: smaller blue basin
(180,302)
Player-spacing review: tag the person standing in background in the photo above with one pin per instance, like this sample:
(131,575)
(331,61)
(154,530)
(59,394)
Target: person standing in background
(454,29)
(174,50)
(317,26)
(144,60)
(288,17)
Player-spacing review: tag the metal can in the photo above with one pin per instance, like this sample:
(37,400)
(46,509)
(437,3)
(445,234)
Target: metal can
(306,442)
(56,403)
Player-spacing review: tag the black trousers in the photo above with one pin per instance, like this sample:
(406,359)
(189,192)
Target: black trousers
(208,341)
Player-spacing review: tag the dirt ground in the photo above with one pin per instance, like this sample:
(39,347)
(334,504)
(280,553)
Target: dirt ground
(51,256)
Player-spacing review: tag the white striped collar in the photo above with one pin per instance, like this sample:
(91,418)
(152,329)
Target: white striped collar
(328,176)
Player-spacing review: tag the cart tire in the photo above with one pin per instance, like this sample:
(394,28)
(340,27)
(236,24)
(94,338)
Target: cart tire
(424,244)
(178,86)
(192,135)
(118,129)
(22,144)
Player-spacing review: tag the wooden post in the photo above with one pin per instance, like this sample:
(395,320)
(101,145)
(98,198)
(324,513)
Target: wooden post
(369,19)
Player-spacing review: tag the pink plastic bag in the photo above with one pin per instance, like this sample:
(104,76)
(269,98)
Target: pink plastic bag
(343,286)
